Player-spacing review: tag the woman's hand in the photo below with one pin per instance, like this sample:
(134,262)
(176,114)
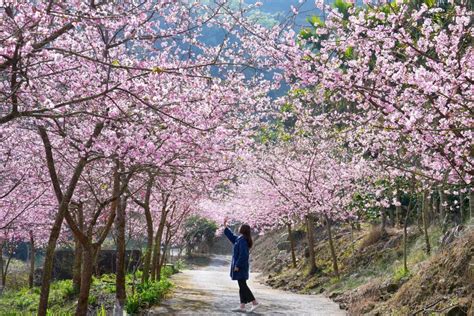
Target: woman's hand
(236,269)
(225,221)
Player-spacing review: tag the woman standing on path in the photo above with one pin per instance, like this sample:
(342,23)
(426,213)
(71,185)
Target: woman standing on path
(239,269)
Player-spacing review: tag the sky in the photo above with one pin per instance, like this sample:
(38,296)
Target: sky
(282,8)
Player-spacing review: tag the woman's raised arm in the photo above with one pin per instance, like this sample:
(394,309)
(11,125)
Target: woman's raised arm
(228,233)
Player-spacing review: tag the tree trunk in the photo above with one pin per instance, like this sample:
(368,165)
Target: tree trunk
(471,203)
(405,235)
(442,206)
(2,283)
(391,216)
(149,246)
(5,268)
(48,261)
(163,257)
(292,244)
(149,228)
(398,215)
(96,260)
(383,215)
(352,239)
(120,293)
(165,248)
(436,209)
(424,214)
(312,257)
(462,216)
(405,227)
(405,241)
(331,246)
(156,269)
(158,265)
(91,249)
(32,261)
(398,210)
(63,201)
(154,262)
(358,227)
(86,279)
(76,269)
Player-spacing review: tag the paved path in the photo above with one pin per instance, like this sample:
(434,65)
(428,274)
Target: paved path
(209,291)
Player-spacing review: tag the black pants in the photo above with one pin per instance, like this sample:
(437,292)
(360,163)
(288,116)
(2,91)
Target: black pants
(246,295)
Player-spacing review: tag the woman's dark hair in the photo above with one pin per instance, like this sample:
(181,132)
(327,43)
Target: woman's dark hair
(245,231)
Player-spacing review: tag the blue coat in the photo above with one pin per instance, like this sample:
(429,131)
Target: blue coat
(240,256)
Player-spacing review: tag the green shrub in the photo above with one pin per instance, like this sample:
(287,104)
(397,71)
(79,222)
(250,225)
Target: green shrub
(104,278)
(400,273)
(138,274)
(104,283)
(59,312)
(7,313)
(180,265)
(147,294)
(92,300)
(167,271)
(24,301)
(132,305)
(61,291)
(21,300)
(198,229)
(17,276)
(102,311)
(65,288)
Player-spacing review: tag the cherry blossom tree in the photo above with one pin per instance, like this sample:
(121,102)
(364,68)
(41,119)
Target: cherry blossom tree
(393,84)
(405,76)
(105,90)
